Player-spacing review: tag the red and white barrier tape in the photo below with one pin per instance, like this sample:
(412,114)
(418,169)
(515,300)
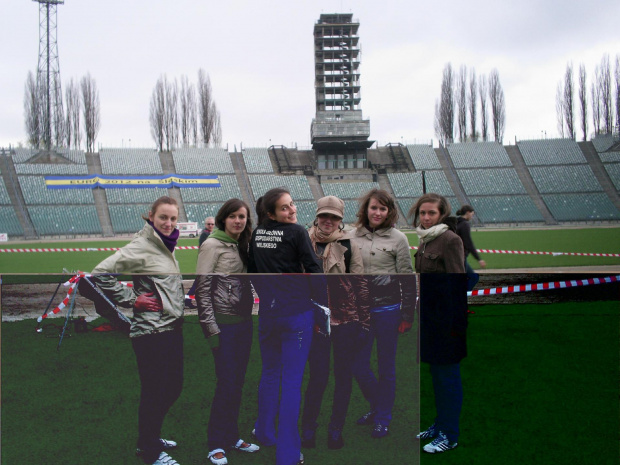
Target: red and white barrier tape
(544,286)
(194,247)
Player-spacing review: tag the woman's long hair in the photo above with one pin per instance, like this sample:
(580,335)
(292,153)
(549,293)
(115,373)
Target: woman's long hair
(231,206)
(266,205)
(442,204)
(384,198)
(464,209)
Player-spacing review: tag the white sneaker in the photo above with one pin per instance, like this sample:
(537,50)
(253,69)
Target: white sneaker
(439,444)
(165,459)
(221,461)
(246,447)
(166,444)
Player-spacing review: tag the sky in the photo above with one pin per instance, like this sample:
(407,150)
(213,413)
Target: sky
(259,57)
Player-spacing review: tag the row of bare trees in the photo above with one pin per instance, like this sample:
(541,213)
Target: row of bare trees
(184,114)
(462,97)
(76,117)
(572,102)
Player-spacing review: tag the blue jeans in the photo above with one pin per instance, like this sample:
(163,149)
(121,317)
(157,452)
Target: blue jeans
(448,391)
(231,362)
(318,362)
(381,392)
(160,366)
(284,345)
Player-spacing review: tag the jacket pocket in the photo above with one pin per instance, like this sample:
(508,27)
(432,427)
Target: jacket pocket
(430,262)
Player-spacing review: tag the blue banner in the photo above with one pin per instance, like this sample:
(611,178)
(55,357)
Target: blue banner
(130,182)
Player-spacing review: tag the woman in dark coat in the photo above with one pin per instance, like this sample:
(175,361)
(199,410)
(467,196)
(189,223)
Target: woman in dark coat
(443,316)
(463,229)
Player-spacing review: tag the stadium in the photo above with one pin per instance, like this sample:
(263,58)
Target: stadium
(537,377)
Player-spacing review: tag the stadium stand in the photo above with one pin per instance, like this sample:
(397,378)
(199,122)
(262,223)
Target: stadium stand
(550,152)
(297,185)
(610,157)
(199,211)
(51,169)
(49,220)
(229,189)
(491,181)
(128,218)
(506,209)
(410,184)
(36,193)
(257,160)
(613,170)
(130,161)
(478,155)
(424,157)
(348,190)
(132,196)
(602,142)
(5,199)
(202,161)
(569,178)
(9,223)
(581,207)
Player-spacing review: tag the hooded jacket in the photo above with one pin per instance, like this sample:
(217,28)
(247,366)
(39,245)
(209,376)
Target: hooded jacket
(218,292)
(154,269)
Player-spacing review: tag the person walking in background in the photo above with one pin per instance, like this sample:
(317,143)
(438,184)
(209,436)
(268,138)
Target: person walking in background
(385,255)
(443,314)
(209,225)
(157,298)
(349,305)
(463,229)
(285,319)
(225,303)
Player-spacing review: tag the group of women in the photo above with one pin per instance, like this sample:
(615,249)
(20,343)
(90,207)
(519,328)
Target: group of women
(361,282)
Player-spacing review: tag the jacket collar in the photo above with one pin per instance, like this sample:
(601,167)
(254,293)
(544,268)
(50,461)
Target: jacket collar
(364,231)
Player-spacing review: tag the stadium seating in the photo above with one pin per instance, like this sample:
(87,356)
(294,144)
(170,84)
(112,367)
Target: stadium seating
(602,142)
(491,181)
(257,160)
(410,184)
(406,204)
(199,211)
(229,189)
(143,195)
(130,161)
(297,185)
(202,161)
(9,223)
(51,169)
(478,155)
(613,170)
(550,152)
(569,178)
(610,157)
(581,207)
(4,194)
(506,209)
(21,155)
(36,193)
(348,190)
(51,220)
(424,157)
(128,218)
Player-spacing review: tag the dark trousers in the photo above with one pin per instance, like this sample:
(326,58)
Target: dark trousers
(448,391)
(284,344)
(160,366)
(318,363)
(231,362)
(381,392)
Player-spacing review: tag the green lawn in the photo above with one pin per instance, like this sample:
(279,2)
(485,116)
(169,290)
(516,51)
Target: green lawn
(540,382)
(592,240)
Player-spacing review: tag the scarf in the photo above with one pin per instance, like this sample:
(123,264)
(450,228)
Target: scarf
(317,236)
(222,236)
(169,241)
(427,235)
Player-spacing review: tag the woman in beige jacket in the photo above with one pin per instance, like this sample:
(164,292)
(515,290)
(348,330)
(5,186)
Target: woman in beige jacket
(225,300)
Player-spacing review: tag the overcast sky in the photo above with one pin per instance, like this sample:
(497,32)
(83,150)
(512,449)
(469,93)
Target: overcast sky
(259,56)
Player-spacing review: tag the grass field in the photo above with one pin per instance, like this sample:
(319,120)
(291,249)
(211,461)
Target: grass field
(593,240)
(540,382)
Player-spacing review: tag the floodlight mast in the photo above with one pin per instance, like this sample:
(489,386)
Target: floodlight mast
(48,73)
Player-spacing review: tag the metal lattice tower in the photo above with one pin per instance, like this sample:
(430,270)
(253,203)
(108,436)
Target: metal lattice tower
(48,74)
(339,132)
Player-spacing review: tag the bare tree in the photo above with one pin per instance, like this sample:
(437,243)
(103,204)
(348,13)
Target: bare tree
(569,101)
(217,127)
(473,105)
(484,123)
(90,111)
(73,135)
(559,108)
(171,122)
(208,115)
(444,109)
(32,111)
(617,79)
(461,102)
(596,101)
(58,122)
(157,112)
(498,106)
(605,94)
(187,111)
(583,101)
